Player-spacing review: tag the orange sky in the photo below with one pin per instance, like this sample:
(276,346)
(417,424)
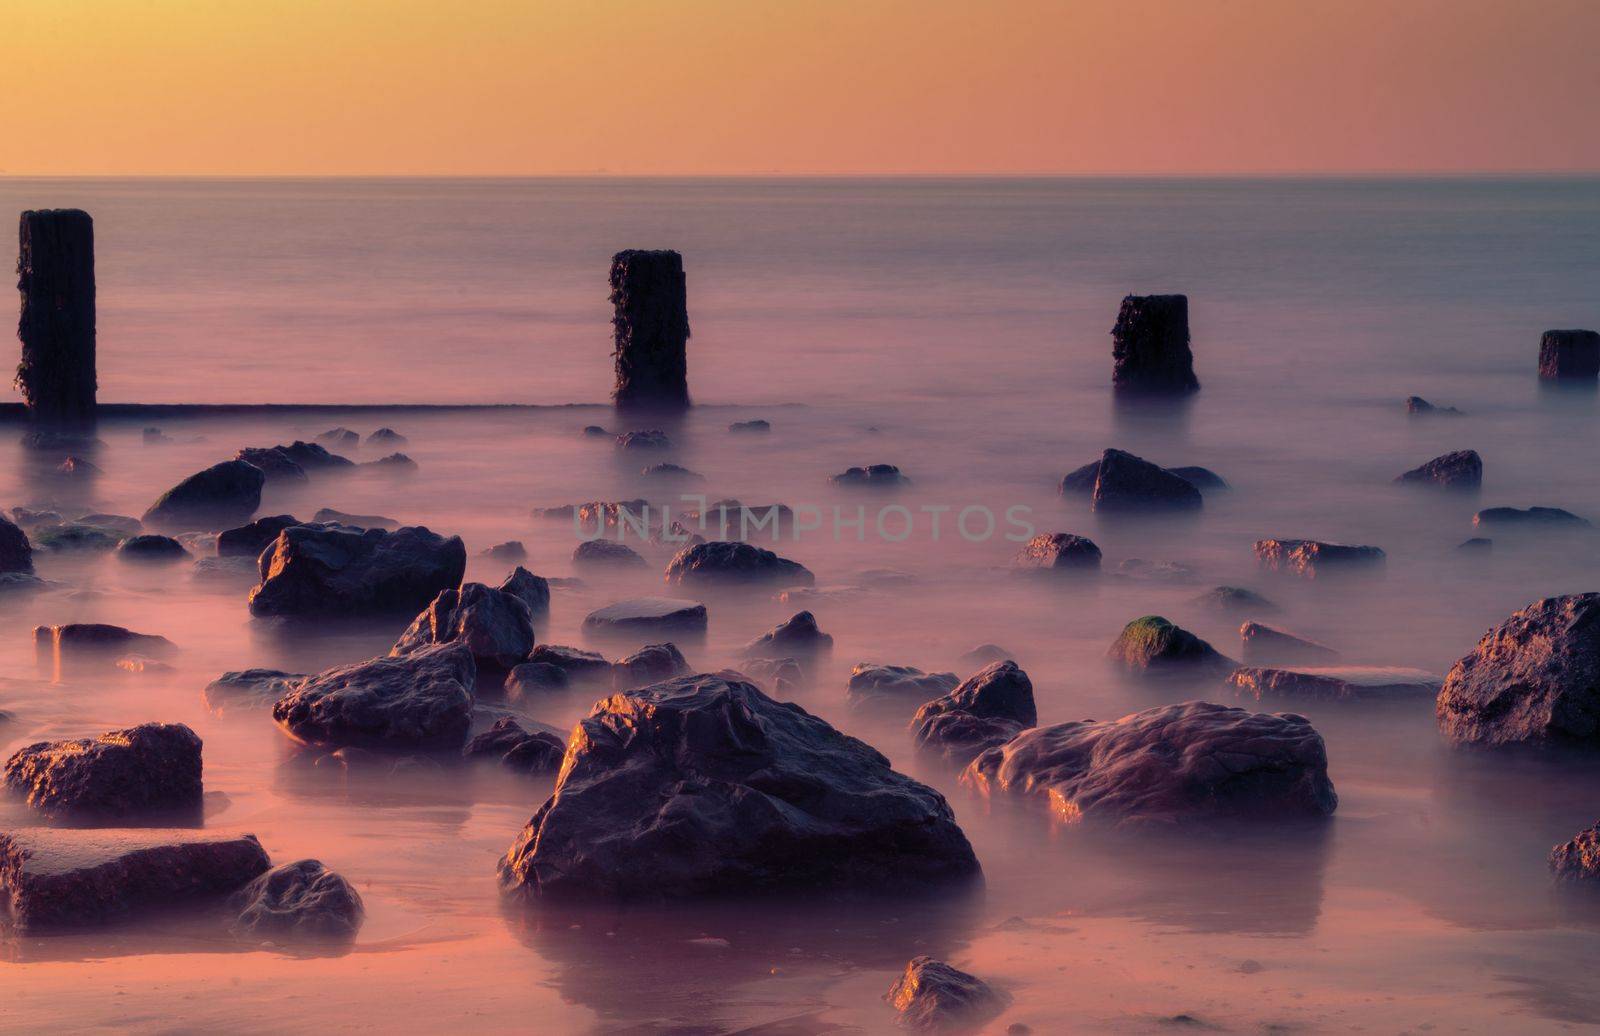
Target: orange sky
(798,86)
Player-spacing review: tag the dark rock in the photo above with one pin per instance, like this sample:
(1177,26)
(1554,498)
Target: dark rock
(275,464)
(933,995)
(1569,355)
(1534,679)
(150,768)
(1510,518)
(652,663)
(872,684)
(756,426)
(1476,545)
(239,569)
(329,516)
(249,689)
(151,547)
(1175,763)
(796,637)
(517,749)
(340,438)
(386,437)
(250,540)
(16,553)
(873,476)
(1418,406)
(73,536)
(1262,643)
(1312,559)
(1152,646)
(77,467)
(651,323)
(510,550)
(733,520)
(220,497)
(597,514)
(92,644)
(671,473)
(988,709)
(778,675)
(1155,571)
(1129,483)
(581,667)
(649,439)
(1081,480)
(421,700)
(647,615)
(300,900)
(393,464)
(28,518)
(311,457)
(1058,552)
(704,785)
(20,582)
(1462,469)
(1236,600)
(530,681)
(495,626)
(51,880)
(985,654)
(596,431)
(1334,683)
(1150,346)
(1578,860)
(1200,478)
(534,591)
(722,562)
(120,523)
(606,554)
(321,570)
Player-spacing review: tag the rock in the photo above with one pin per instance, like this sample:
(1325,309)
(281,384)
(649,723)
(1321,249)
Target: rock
(156,437)
(596,431)
(651,439)
(1462,469)
(704,785)
(1263,643)
(933,995)
(1511,518)
(91,644)
(152,768)
(51,879)
(1569,356)
(77,467)
(671,473)
(29,519)
(1058,552)
(73,536)
(530,681)
(1175,763)
(250,540)
(598,514)
(275,464)
(647,615)
(386,437)
(796,637)
(988,709)
(1532,680)
(141,664)
(329,516)
(494,625)
(20,582)
(321,570)
(300,900)
(778,675)
(872,684)
(872,476)
(1335,683)
(150,547)
(1312,559)
(1418,406)
(581,667)
(1080,481)
(517,749)
(340,438)
(1152,646)
(311,457)
(1155,571)
(1236,600)
(606,554)
(510,550)
(422,700)
(722,562)
(1200,478)
(220,497)
(756,427)
(1476,545)
(1578,860)
(812,595)
(1128,483)
(534,591)
(225,570)
(983,655)
(119,523)
(393,464)
(249,689)
(652,663)
(1150,346)
(732,520)
(16,553)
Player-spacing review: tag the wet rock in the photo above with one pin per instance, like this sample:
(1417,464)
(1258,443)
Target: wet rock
(652,663)
(150,547)
(495,626)
(671,473)
(94,643)
(152,768)
(156,437)
(1462,469)
(649,439)
(1334,683)
(1263,643)
(1476,545)
(28,518)
(275,464)
(1080,481)
(121,523)
(220,497)
(812,595)
(339,439)
(1150,346)
(1312,559)
(142,664)
(755,427)
(732,520)
(16,553)
(299,900)
(77,467)
(597,514)
(1200,478)
(932,995)
(422,700)
(983,655)
(1236,600)
(1153,646)
(1176,763)
(777,675)
(52,880)
(517,749)
(606,554)
(532,590)
(1127,483)
(510,550)
(73,536)
(1532,680)
(240,569)
(393,464)
(872,476)
(530,681)
(704,785)
(1569,356)
(596,431)
(872,684)
(386,437)
(249,689)
(321,570)
(796,637)
(583,668)
(1155,571)
(721,562)
(1058,552)
(250,540)
(20,582)
(988,709)
(647,615)
(1511,518)
(329,516)
(312,457)
(1578,860)
(1418,406)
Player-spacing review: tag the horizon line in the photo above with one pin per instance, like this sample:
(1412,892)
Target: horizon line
(1371,174)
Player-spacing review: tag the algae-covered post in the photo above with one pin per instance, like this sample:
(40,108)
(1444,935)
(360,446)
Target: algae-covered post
(1150,346)
(652,329)
(1569,356)
(55,274)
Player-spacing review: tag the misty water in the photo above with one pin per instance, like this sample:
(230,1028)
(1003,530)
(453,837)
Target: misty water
(957,329)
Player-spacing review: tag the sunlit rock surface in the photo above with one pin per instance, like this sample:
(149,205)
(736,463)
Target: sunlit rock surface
(151,768)
(932,996)
(419,701)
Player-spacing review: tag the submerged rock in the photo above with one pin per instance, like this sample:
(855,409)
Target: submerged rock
(510,550)
(932,995)
(1578,859)
(985,654)
(671,473)
(1508,519)
(1569,355)
(299,900)
(1335,683)
(988,709)
(249,689)
(1532,680)
(580,667)
(220,497)
(393,464)
(1312,559)
(1129,483)
(1263,643)
(1172,764)
(722,562)
(1476,545)
(757,426)
(308,456)
(320,570)
(1200,478)
(73,536)
(1058,552)
(901,684)
(652,663)
(92,644)
(704,785)
(1418,406)
(250,540)
(530,681)
(606,554)
(532,590)
(647,615)
(1462,469)
(494,625)
(150,547)
(1153,646)
(275,464)
(650,439)
(421,700)
(16,553)
(517,749)
(386,437)
(871,476)
(796,637)
(777,675)
(150,768)
(52,880)
(329,516)
(340,438)
(596,431)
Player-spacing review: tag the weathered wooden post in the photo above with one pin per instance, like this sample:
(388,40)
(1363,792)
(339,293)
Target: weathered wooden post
(1150,346)
(55,274)
(1569,356)
(652,329)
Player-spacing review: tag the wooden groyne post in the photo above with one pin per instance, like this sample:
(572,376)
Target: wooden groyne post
(1150,346)
(55,274)
(652,329)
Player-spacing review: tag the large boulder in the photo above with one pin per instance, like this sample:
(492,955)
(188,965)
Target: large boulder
(16,553)
(250,540)
(494,625)
(331,516)
(931,995)
(1129,483)
(1462,469)
(647,616)
(988,709)
(1578,859)
(308,456)
(1058,552)
(652,663)
(726,563)
(54,880)
(422,700)
(534,591)
(606,554)
(1263,643)
(530,752)
(873,684)
(1334,683)
(1313,559)
(299,900)
(1534,519)
(153,548)
(220,497)
(1236,600)
(1176,763)
(151,768)
(245,689)
(796,637)
(275,463)
(319,570)
(1153,646)
(86,646)
(555,667)
(703,785)
(1534,679)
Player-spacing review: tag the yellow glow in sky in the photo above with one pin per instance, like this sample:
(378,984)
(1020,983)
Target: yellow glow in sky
(484,87)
